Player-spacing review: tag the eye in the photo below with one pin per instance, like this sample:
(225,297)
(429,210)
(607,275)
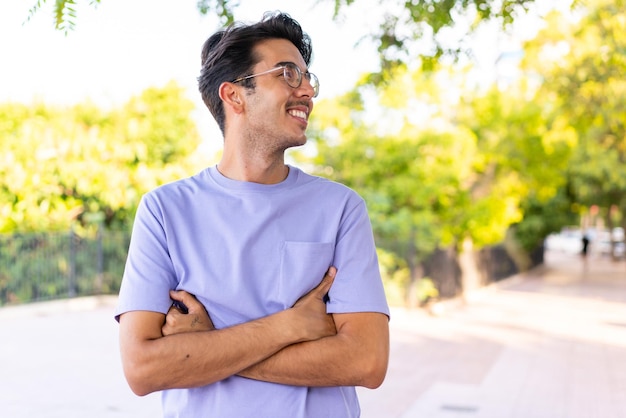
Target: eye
(291,73)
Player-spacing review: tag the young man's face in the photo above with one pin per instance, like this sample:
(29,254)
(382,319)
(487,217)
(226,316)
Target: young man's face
(277,113)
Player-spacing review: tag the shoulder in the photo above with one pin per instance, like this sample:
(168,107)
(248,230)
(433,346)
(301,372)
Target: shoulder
(327,186)
(178,188)
(173,194)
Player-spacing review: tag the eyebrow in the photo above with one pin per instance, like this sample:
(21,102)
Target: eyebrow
(281,63)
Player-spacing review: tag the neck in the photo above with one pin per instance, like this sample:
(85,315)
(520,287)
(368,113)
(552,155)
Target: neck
(253,170)
(253,158)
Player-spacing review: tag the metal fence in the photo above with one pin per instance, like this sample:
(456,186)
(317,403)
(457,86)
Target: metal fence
(45,266)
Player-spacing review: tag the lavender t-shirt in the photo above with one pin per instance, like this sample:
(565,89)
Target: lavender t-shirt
(248,250)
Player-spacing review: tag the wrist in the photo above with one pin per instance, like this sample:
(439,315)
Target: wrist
(289,327)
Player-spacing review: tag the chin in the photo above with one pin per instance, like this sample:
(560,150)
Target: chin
(297,142)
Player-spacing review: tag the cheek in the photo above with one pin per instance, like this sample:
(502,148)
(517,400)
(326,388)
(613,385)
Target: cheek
(270,105)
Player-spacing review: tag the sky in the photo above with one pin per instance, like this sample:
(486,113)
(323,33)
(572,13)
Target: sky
(121,47)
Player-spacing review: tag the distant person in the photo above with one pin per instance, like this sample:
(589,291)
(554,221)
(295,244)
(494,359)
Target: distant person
(586,241)
(276,268)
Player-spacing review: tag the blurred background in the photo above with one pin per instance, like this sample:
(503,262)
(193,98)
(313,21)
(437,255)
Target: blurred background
(480,133)
(487,137)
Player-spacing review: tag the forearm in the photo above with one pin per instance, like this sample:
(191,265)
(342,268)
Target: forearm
(350,358)
(308,364)
(200,358)
(193,353)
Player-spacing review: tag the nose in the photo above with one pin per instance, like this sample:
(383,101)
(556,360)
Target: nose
(306,88)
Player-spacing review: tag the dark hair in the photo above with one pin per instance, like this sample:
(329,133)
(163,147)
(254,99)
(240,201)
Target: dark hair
(228,55)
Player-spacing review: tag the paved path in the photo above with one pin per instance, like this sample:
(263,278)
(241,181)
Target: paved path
(547,344)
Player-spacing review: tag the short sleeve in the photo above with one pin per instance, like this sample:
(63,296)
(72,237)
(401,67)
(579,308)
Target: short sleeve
(149,273)
(358,285)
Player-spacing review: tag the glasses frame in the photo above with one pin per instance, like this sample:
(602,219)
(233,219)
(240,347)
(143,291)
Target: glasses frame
(308,75)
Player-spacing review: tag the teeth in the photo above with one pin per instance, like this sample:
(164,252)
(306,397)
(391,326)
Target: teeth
(298,113)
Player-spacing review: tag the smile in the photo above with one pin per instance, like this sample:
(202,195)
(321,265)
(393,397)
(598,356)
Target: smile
(298,113)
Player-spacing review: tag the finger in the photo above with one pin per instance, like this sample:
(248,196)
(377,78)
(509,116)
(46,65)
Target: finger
(188,300)
(169,325)
(170,321)
(181,307)
(178,294)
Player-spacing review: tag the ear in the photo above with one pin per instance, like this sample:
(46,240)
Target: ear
(231,95)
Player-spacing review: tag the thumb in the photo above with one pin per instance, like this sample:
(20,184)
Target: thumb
(327,281)
(186,299)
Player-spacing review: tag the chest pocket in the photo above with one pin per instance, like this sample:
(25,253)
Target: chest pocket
(302,267)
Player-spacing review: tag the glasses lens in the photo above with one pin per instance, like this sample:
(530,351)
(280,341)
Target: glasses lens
(293,76)
(315,83)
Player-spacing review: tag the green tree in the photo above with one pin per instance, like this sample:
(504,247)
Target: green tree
(526,148)
(62,165)
(444,165)
(581,64)
(419,172)
(64,12)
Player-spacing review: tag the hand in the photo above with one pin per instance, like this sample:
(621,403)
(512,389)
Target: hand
(197,318)
(313,319)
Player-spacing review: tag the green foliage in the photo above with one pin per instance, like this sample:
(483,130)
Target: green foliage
(422,176)
(402,25)
(159,120)
(432,181)
(437,162)
(526,151)
(543,217)
(436,168)
(43,266)
(62,165)
(222,8)
(396,277)
(582,65)
(405,23)
(63,11)
(82,168)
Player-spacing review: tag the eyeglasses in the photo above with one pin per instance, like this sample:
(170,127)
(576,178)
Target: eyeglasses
(292,75)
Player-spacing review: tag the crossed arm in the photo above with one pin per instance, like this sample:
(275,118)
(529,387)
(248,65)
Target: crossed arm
(301,345)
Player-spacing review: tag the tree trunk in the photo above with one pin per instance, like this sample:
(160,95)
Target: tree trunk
(470,275)
(416,272)
(412,297)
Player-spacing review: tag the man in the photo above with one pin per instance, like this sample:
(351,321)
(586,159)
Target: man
(277,268)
